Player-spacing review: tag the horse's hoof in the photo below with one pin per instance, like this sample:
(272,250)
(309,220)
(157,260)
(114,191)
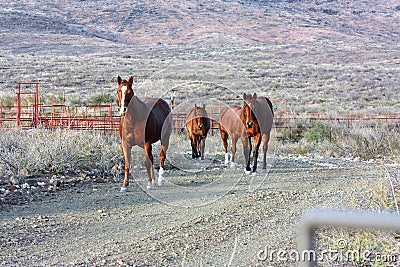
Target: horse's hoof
(226,159)
(247,172)
(160,182)
(123,189)
(150,187)
(233,165)
(254,174)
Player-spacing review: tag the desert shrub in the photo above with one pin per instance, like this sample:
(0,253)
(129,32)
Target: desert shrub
(318,132)
(8,101)
(340,141)
(302,148)
(78,102)
(101,99)
(55,151)
(354,244)
(368,142)
(293,134)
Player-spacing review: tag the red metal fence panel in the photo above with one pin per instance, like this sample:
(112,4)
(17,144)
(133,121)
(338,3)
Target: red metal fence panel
(105,117)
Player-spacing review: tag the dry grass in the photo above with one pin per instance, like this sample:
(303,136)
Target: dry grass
(40,151)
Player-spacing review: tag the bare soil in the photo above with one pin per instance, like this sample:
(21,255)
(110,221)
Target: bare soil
(186,222)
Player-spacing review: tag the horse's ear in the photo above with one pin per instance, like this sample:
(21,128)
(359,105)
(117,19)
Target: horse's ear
(254,96)
(244,96)
(195,106)
(131,79)
(204,106)
(119,79)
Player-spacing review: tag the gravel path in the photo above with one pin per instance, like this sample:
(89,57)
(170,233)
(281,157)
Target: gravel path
(185,223)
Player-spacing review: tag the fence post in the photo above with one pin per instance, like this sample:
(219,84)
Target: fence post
(1,114)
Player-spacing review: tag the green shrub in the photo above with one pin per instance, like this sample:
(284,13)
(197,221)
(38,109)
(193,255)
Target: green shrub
(319,132)
(292,134)
(78,102)
(101,99)
(8,101)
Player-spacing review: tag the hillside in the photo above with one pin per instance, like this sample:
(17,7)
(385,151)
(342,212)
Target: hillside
(87,26)
(328,55)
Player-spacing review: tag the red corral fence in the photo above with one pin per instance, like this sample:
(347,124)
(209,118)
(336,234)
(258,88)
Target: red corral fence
(105,117)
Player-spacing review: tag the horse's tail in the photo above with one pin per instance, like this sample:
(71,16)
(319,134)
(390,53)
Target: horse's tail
(270,105)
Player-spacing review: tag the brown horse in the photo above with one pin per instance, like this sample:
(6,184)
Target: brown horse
(253,119)
(198,125)
(143,122)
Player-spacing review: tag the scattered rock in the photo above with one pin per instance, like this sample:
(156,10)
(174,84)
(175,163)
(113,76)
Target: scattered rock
(14,180)
(10,187)
(99,180)
(31,182)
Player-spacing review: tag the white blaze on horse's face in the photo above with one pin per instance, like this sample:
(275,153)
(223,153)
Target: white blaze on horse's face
(123,107)
(249,114)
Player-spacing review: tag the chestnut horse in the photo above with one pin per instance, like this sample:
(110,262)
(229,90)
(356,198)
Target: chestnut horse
(253,119)
(143,122)
(198,125)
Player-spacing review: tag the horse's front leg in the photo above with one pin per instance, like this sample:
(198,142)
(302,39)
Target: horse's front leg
(193,143)
(257,143)
(198,145)
(162,162)
(149,166)
(224,137)
(246,152)
(126,150)
(202,147)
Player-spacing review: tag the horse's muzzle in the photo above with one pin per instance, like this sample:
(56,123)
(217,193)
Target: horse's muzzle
(122,111)
(200,126)
(249,124)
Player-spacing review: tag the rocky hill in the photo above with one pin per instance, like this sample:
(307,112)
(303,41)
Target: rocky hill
(91,26)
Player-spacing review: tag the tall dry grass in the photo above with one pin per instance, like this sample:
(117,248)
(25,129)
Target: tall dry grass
(39,151)
(362,142)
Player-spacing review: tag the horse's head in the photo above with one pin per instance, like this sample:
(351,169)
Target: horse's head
(248,107)
(125,94)
(200,115)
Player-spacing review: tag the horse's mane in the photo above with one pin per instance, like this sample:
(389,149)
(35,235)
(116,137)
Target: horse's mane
(270,105)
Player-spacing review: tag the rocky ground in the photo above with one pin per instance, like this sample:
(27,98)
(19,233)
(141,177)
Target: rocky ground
(193,220)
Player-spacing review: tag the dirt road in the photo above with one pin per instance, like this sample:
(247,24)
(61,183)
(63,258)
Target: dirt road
(207,218)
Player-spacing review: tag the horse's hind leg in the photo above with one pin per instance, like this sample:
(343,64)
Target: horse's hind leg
(224,137)
(126,150)
(149,165)
(265,149)
(162,162)
(234,142)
